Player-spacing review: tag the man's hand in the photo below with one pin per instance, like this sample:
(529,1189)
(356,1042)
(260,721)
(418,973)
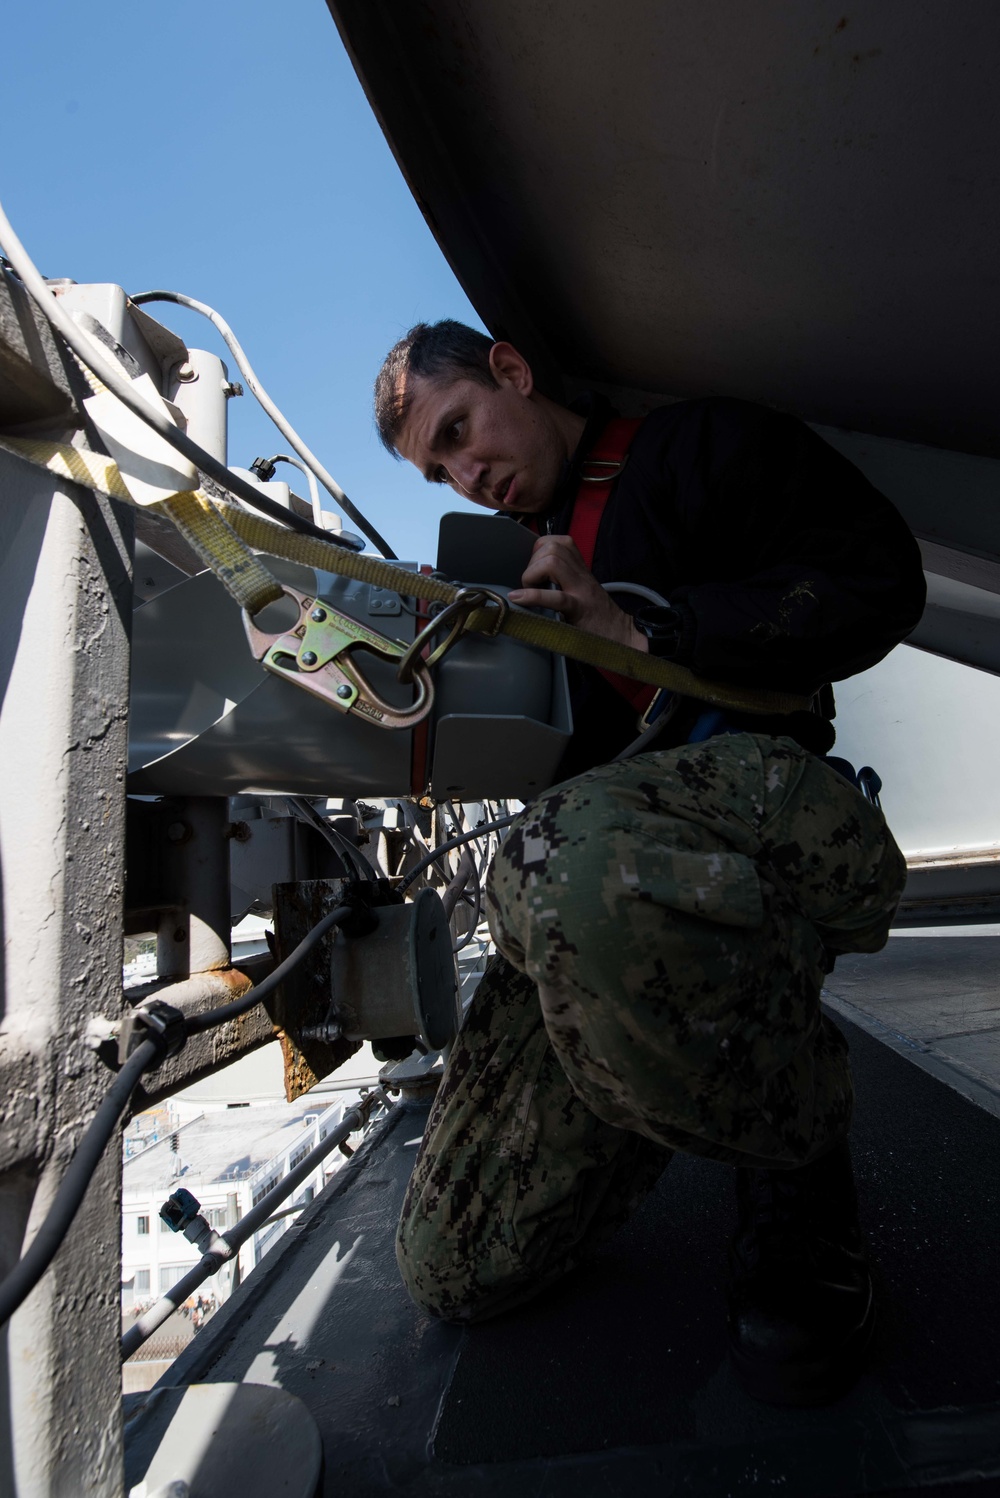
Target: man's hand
(575,593)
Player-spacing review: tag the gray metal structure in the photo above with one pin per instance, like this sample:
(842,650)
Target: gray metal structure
(65,605)
(213,739)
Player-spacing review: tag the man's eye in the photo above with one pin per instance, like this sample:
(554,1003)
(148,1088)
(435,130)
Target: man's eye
(455,430)
(440,476)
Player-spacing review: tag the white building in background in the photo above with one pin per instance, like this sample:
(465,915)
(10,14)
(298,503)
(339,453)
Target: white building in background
(228,1155)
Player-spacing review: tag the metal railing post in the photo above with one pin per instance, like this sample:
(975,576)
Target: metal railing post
(65,612)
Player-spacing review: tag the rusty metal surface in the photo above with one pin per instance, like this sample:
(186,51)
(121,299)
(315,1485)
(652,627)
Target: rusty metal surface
(209,1052)
(302,1003)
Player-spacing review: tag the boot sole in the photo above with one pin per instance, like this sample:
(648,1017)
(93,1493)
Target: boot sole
(804,1384)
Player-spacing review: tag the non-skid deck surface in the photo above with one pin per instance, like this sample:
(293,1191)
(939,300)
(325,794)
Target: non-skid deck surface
(617,1383)
(935,997)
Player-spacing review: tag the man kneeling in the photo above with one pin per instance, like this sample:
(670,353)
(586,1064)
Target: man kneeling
(664,923)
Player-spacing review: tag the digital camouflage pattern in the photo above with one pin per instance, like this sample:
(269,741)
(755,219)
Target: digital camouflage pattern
(665,925)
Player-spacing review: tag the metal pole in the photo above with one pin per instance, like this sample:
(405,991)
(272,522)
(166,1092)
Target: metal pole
(234,1239)
(65,587)
(196,939)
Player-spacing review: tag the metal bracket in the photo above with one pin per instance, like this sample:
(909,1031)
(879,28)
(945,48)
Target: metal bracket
(317,655)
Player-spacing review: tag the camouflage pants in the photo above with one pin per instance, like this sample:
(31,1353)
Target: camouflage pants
(665,926)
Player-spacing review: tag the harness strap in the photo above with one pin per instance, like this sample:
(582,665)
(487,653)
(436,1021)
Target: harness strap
(599,473)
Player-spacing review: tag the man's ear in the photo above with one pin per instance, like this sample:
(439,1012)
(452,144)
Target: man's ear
(508,367)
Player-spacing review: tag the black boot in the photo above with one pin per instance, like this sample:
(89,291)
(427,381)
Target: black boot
(801,1311)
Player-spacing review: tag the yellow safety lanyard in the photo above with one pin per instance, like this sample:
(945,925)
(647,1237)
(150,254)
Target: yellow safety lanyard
(226,538)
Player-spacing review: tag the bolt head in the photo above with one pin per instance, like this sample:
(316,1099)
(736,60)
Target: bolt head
(309,657)
(177,832)
(186,373)
(318,615)
(344,690)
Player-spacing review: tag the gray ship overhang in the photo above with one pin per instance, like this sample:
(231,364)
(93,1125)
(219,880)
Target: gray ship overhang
(793,203)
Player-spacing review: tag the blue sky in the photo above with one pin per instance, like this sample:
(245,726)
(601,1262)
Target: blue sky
(226,150)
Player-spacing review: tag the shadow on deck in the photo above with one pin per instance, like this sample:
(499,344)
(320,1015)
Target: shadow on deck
(617,1381)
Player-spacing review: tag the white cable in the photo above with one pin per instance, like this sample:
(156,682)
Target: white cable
(640,590)
(93,357)
(284,426)
(314,499)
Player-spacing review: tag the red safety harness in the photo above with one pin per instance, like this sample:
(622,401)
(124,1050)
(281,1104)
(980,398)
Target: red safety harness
(598,473)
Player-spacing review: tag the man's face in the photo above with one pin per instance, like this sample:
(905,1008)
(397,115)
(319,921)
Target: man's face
(496,446)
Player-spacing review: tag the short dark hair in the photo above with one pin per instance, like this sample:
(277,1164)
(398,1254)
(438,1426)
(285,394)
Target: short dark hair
(444,351)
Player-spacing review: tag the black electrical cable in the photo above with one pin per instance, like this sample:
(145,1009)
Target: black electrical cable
(476,918)
(140,298)
(72,1188)
(208,1019)
(453,842)
(307,814)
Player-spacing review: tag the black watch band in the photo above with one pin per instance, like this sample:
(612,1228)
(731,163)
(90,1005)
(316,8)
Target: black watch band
(662,627)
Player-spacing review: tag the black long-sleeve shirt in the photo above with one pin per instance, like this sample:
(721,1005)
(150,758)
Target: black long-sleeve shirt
(787,568)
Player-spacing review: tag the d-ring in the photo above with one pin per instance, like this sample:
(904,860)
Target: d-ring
(456,614)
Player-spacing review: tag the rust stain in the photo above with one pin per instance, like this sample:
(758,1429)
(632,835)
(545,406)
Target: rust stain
(299,1075)
(303,1001)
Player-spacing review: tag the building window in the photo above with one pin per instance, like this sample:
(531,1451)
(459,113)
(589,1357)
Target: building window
(299,1155)
(142,1227)
(216,1217)
(165,1226)
(170,1274)
(141,1286)
(263,1189)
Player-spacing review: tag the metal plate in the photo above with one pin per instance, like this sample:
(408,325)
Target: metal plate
(207,719)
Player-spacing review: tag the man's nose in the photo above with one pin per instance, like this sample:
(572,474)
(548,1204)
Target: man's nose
(469,473)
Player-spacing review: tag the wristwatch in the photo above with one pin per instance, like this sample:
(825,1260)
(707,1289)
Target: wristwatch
(661,626)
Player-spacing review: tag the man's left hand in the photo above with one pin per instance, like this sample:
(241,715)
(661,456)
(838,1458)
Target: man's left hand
(574,592)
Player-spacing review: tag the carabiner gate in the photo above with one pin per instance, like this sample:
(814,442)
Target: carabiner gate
(317,655)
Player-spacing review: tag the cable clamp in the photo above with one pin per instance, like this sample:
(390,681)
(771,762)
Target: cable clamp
(318,654)
(361,895)
(155,1020)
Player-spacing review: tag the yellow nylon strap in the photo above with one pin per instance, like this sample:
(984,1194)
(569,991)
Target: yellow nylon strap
(529,628)
(209,526)
(92,470)
(242,574)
